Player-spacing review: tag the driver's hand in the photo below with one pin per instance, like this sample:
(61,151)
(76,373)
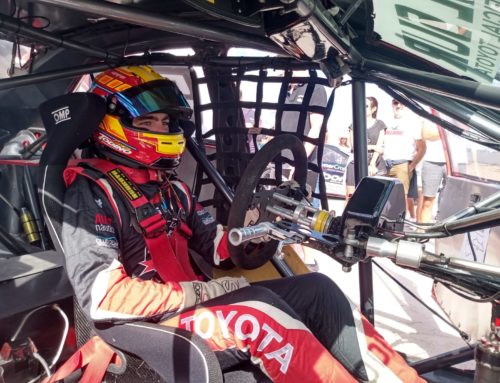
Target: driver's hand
(196,292)
(294,185)
(309,192)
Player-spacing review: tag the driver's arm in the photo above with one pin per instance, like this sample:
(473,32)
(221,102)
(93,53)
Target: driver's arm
(94,252)
(420,146)
(92,242)
(208,237)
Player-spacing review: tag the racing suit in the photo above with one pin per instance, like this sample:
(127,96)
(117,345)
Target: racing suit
(296,329)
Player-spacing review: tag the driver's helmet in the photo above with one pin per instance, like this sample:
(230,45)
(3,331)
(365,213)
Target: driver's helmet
(131,92)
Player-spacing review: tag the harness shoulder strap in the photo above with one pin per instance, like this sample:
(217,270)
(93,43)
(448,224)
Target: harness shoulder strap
(70,174)
(171,266)
(95,356)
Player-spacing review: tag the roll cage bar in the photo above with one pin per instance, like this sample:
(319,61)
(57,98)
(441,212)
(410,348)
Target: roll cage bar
(464,100)
(397,81)
(482,120)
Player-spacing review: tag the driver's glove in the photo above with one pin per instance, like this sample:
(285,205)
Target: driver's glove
(196,292)
(309,192)
(295,186)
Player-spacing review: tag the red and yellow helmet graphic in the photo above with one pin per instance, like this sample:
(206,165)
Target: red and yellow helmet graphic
(119,79)
(137,91)
(148,149)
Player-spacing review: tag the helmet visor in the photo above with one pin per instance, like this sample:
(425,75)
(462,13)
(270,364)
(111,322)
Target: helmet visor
(155,96)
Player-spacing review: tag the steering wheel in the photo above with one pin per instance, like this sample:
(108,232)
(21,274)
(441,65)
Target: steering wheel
(251,255)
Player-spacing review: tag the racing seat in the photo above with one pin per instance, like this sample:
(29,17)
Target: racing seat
(183,356)
(69,121)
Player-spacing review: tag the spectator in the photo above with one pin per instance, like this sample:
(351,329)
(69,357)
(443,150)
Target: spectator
(404,147)
(418,171)
(344,143)
(413,190)
(312,127)
(433,171)
(375,136)
(253,129)
(249,118)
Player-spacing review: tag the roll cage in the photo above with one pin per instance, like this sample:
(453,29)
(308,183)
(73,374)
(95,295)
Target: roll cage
(64,40)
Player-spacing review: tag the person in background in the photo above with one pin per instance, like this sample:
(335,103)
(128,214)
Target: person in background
(253,130)
(433,171)
(404,147)
(312,127)
(344,142)
(418,208)
(126,254)
(375,134)
(248,115)
(412,197)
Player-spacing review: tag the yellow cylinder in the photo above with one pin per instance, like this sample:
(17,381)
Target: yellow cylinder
(29,226)
(321,219)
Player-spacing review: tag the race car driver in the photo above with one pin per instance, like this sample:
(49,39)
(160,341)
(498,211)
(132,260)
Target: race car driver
(128,224)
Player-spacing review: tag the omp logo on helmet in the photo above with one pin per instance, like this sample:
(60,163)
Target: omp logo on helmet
(124,183)
(61,114)
(113,144)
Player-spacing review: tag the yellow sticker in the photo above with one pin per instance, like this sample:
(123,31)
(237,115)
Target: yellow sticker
(125,185)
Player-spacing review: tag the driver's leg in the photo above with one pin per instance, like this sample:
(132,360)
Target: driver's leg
(339,326)
(256,323)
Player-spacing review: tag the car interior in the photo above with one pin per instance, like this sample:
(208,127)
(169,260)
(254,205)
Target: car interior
(438,58)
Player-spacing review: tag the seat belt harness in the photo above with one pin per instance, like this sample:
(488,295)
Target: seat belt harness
(171,266)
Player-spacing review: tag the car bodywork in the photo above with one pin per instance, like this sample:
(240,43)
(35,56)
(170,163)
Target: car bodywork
(443,54)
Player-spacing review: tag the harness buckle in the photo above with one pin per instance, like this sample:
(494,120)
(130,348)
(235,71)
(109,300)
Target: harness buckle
(150,220)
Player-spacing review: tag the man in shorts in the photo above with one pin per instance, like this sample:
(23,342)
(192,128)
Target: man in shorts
(433,171)
(404,147)
(413,193)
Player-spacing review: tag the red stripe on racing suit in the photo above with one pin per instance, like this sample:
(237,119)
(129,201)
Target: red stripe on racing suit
(144,298)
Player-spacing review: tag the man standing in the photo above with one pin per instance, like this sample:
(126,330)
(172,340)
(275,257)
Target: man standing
(290,122)
(433,170)
(404,146)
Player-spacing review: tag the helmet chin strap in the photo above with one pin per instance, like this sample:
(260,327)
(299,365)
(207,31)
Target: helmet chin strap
(108,154)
